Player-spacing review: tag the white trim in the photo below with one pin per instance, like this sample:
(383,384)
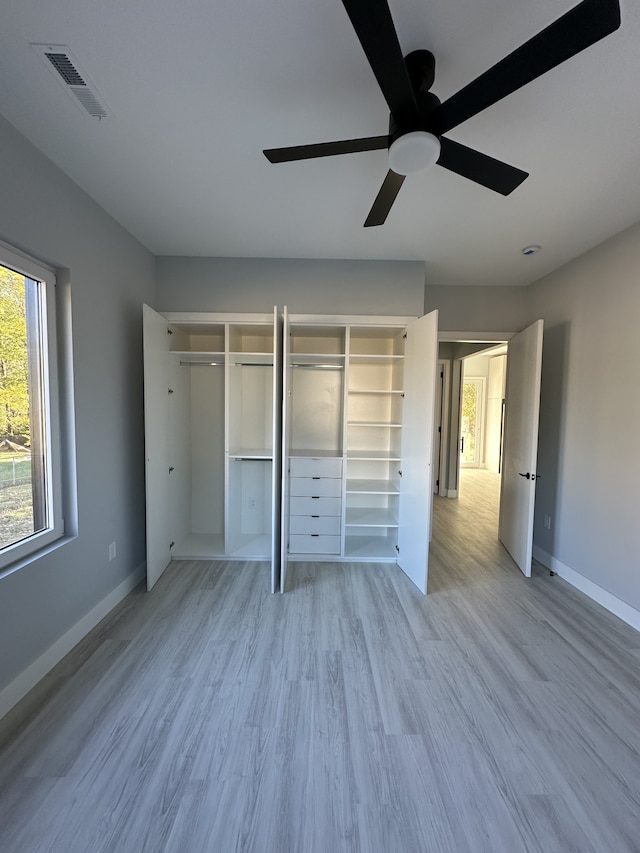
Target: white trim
(614,605)
(475,337)
(28,678)
(45,343)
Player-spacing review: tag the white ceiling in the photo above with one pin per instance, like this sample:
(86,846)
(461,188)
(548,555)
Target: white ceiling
(198,89)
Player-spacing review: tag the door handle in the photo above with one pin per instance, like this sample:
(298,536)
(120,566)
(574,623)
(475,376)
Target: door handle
(527,475)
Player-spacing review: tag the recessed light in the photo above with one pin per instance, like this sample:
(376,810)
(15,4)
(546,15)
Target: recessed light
(530,250)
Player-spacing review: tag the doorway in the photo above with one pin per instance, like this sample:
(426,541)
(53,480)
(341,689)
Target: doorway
(471,421)
(474,403)
(513,455)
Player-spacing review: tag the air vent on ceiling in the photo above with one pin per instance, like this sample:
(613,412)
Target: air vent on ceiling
(67,70)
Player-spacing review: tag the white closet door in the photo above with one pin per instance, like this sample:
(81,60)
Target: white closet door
(156,425)
(420,364)
(518,487)
(284,474)
(276,478)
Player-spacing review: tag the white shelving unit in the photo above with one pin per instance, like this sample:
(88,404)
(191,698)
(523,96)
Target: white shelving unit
(345,400)
(308,438)
(374,438)
(216,441)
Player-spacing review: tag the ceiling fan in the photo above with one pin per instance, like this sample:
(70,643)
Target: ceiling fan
(418,120)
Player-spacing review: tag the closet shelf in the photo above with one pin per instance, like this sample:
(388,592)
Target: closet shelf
(356,358)
(251,359)
(373,487)
(367,547)
(201,357)
(378,424)
(370,517)
(375,391)
(251,453)
(372,456)
(318,360)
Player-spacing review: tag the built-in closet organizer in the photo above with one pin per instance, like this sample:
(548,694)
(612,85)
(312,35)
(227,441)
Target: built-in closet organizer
(212,427)
(357,440)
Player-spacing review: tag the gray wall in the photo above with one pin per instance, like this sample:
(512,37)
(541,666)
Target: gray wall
(590,415)
(304,286)
(109,276)
(478,309)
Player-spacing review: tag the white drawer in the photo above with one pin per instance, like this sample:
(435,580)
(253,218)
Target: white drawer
(323,524)
(316,487)
(314,544)
(310,466)
(315,506)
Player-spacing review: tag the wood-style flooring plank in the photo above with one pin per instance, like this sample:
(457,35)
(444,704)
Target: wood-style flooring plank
(352,714)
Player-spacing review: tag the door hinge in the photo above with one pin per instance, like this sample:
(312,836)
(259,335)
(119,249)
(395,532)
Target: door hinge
(170,390)
(169,331)
(400,473)
(405,336)
(438,483)
(439,429)
(171,469)
(171,544)
(397,549)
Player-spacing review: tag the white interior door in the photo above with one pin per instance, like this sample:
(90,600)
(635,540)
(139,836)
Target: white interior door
(519,474)
(420,363)
(284,474)
(438,432)
(276,471)
(156,425)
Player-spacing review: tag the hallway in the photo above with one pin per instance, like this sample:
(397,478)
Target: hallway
(465,546)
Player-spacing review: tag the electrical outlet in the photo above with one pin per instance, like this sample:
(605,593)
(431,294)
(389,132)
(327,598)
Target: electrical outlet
(547,522)
(112,551)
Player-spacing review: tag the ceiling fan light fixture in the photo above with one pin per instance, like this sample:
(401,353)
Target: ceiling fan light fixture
(413,152)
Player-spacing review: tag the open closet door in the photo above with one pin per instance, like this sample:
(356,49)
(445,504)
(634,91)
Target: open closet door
(276,471)
(156,428)
(420,364)
(519,475)
(284,472)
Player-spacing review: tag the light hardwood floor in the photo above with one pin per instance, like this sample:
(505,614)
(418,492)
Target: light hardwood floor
(351,714)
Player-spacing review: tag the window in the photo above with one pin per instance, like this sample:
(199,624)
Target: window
(30,477)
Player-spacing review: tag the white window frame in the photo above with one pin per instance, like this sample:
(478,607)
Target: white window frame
(20,551)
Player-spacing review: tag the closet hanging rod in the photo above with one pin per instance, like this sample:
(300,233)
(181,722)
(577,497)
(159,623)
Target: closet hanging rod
(252,364)
(311,366)
(250,458)
(203,363)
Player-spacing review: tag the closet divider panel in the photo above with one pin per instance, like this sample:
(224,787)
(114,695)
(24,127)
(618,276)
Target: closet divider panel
(276,462)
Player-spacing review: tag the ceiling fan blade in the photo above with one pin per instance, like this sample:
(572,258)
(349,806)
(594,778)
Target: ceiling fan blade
(579,28)
(372,21)
(326,149)
(478,167)
(385,198)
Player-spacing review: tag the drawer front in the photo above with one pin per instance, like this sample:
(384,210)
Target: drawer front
(315,506)
(323,524)
(310,544)
(310,466)
(321,487)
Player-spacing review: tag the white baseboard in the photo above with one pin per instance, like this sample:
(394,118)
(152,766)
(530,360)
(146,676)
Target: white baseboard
(28,678)
(452,493)
(614,605)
